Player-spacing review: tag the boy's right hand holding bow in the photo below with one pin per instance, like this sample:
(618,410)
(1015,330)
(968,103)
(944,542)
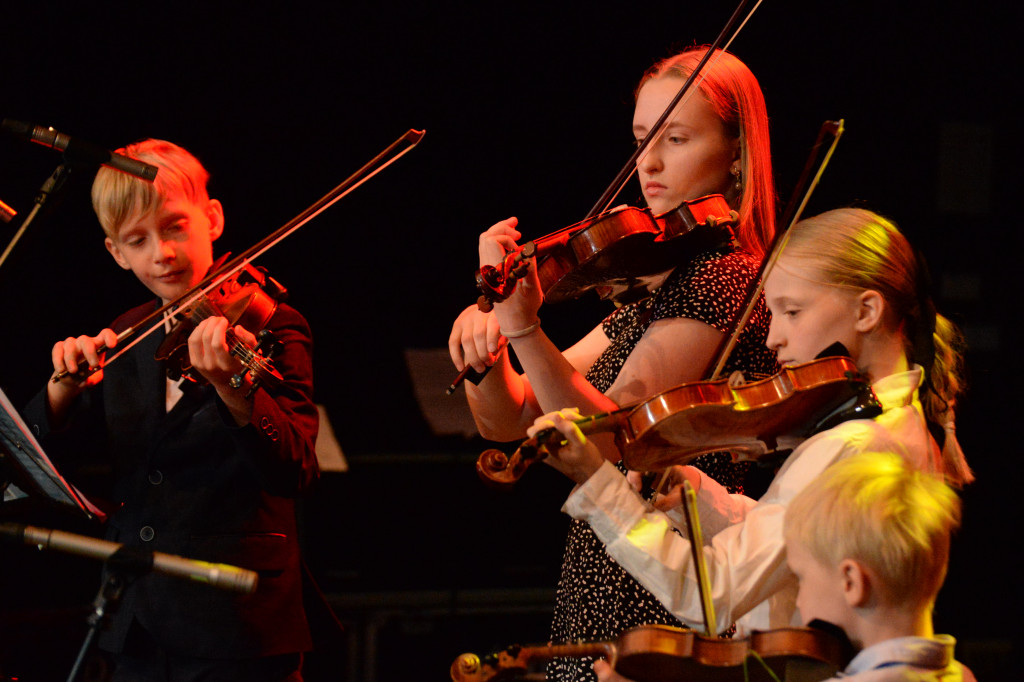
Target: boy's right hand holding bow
(72,355)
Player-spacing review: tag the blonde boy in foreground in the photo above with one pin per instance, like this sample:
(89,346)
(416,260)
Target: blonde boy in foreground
(869,542)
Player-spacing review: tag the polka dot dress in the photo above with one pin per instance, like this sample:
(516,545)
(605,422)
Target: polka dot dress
(596,598)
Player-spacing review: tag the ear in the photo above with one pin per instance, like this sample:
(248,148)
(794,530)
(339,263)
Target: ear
(870,310)
(215,212)
(855,582)
(116,253)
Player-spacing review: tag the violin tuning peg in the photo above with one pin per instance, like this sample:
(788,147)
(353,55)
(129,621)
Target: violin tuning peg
(266,343)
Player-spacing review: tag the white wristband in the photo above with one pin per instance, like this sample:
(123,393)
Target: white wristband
(525,331)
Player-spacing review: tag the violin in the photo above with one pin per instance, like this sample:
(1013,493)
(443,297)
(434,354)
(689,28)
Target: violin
(249,299)
(661,653)
(695,418)
(612,251)
(718,415)
(496,285)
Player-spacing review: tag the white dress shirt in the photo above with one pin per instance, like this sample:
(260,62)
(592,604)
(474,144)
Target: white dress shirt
(908,659)
(751,584)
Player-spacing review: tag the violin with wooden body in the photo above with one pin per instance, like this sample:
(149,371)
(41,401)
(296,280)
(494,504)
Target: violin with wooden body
(612,251)
(661,653)
(719,415)
(628,248)
(695,418)
(615,258)
(249,299)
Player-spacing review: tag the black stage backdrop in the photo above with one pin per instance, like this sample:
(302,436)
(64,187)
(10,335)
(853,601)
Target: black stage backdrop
(527,110)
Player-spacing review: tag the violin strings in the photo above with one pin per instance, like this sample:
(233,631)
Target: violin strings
(257,364)
(756,656)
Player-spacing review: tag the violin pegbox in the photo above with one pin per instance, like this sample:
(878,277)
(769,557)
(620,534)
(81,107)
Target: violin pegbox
(497,283)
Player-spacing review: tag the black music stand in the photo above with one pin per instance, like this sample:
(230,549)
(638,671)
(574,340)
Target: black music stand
(26,470)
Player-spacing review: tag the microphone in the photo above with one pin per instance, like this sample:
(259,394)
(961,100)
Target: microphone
(223,576)
(80,150)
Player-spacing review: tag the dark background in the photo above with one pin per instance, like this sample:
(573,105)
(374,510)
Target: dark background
(527,108)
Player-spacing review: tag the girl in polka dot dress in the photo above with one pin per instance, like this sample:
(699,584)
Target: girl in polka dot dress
(715,142)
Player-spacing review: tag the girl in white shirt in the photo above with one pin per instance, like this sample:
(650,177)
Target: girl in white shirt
(845,276)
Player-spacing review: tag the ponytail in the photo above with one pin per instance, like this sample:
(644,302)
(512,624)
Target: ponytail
(944,382)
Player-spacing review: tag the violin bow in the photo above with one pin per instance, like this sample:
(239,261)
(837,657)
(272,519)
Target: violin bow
(734,25)
(794,210)
(699,560)
(385,158)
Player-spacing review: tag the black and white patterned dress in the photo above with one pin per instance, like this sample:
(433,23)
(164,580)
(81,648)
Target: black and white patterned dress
(596,599)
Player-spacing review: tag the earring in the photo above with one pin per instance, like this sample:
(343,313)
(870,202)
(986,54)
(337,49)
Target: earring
(736,172)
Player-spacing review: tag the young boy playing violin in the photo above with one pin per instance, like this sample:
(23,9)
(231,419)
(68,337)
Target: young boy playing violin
(201,469)
(845,276)
(869,544)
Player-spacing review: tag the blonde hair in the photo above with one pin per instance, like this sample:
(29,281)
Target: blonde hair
(859,249)
(735,95)
(116,196)
(877,509)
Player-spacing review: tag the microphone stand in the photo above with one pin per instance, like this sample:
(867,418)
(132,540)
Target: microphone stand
(52,186)
(122,566)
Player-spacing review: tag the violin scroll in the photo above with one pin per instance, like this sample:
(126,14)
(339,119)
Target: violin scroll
(468,668)
(503,471)
(496,284)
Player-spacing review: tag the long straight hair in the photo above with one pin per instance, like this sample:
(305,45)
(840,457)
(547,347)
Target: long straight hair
(735,96)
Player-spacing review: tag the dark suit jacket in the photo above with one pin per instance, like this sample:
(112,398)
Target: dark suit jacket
(190,482)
